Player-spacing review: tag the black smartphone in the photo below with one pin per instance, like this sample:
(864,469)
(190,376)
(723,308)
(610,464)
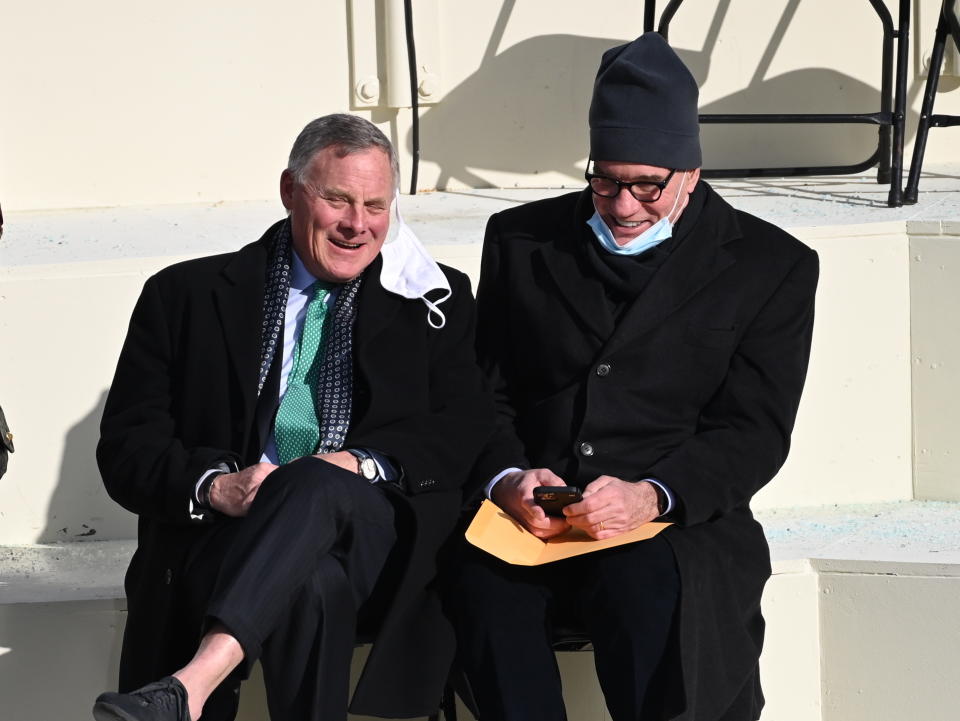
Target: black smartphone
(552,499)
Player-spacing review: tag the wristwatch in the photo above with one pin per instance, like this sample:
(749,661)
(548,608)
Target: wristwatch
(366,466)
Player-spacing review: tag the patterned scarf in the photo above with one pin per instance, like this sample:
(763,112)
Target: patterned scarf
(335,382)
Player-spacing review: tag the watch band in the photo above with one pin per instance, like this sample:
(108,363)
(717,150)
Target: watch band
(366,465)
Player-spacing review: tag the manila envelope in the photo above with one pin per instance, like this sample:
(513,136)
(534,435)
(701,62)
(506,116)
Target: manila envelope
(495,532)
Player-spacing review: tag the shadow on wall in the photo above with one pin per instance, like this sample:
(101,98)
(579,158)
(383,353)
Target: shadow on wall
(80,509)
(525,109)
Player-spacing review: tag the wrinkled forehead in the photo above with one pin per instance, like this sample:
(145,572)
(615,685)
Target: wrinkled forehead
(364,172)
(389,166)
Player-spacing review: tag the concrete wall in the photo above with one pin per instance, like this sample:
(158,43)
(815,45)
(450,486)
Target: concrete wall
(851,443)
(78,645)
(871,617)
(75,317)
(56,657)
(934,294)
(117,103)
(846,641)
(790,667)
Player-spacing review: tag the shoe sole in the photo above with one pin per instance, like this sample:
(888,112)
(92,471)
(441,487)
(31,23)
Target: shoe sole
(109,712)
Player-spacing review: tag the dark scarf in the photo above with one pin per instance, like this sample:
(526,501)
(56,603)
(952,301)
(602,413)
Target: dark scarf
(624,277)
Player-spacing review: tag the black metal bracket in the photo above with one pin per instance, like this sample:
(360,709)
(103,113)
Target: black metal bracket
(891,118)
(947,25)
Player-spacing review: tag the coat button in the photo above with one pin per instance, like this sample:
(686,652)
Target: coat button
(586,449)
(603,369)
(167,576)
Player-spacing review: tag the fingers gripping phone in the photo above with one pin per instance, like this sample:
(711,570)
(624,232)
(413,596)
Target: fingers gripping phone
(552,499)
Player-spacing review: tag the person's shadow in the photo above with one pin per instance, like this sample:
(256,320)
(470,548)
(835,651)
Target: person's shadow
(525,109)
(80,508)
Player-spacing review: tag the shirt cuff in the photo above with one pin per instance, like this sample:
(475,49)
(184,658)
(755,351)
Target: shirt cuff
(196,510)
(488,489)
(671,499)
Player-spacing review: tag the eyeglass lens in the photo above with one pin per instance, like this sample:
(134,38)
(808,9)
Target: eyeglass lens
(608,187)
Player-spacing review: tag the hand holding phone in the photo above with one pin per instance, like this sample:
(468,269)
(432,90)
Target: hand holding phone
(552,499)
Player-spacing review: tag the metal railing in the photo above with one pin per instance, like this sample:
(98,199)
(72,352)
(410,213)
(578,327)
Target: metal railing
(947,25)
(890,118)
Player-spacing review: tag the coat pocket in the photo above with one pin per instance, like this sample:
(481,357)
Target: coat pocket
(704,337)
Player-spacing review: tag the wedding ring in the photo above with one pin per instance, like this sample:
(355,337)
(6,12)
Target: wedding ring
(601,525)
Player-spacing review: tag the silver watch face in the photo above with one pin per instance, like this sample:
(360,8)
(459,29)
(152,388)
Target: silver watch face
(368,468)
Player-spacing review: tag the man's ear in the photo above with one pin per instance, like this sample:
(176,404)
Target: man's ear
(692,179)
(287,183)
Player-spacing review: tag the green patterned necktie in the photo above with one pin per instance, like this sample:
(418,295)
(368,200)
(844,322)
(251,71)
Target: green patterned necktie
(296,429)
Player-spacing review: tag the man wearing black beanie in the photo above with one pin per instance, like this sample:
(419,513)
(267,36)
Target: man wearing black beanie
(648,344)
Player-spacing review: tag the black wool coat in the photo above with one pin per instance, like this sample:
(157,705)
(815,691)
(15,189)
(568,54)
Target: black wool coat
(184,397)
(697,385)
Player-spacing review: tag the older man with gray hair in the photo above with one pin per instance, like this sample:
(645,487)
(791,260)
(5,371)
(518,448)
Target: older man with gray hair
(292,423)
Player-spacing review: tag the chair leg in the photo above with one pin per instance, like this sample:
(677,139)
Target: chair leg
(926,111)
(449,704)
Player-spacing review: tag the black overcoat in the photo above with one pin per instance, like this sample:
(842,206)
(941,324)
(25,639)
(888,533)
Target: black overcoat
(184,396)
(696,385)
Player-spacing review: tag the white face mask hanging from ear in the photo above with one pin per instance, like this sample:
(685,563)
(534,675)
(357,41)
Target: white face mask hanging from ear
(408,270)
(654,235)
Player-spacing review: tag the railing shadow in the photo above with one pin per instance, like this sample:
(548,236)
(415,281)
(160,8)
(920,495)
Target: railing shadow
(525,110)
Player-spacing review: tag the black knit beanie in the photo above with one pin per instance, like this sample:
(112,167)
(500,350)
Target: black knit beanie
(644,107)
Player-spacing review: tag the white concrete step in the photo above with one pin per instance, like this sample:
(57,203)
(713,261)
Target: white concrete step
(440,218)
(861,620)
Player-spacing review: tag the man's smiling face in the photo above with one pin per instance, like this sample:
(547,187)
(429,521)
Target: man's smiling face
(628,217)
(340,213)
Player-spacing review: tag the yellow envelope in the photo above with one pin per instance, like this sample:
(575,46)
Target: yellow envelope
(495,532)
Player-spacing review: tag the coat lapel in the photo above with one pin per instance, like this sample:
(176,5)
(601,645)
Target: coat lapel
(698,259)
(582,293)
(239,301)
(375,311)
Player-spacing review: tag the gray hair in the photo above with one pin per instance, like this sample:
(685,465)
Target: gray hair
(348,134)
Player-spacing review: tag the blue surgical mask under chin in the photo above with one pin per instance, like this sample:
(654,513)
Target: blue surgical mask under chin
(652,236)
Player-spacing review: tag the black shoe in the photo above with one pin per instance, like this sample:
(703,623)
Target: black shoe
(165,700)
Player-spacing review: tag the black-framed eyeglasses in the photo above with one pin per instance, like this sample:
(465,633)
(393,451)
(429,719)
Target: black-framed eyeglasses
(646,191)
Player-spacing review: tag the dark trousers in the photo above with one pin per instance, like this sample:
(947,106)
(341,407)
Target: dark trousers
(288,581)
(624,598)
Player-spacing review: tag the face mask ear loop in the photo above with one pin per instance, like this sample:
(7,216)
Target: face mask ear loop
(676,200)
(395,219)
(434,309)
